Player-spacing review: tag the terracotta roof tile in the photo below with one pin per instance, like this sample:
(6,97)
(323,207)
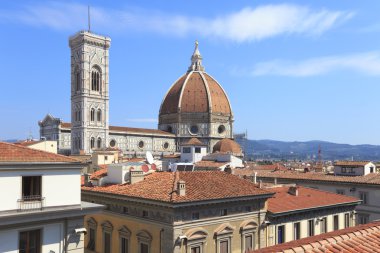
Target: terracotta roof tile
(227,146)
(99,173)
(200,186)
(351,163)
(209,164)
(307,198)
(194,142)
(366,240)
(19,154)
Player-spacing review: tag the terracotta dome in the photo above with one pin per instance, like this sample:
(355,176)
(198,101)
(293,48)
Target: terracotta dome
(227,146)
(196,91)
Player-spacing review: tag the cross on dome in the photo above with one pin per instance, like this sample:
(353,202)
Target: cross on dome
(196,60)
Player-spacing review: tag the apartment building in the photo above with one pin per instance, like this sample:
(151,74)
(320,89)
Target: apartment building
(41,208)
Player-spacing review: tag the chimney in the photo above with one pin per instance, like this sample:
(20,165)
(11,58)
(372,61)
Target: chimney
(275,180)
(293,190)
(86,179)
(137,175)
(181,188)
(255,178)
(260,184)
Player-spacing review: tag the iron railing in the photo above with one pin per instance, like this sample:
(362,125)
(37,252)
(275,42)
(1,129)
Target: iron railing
(33,202)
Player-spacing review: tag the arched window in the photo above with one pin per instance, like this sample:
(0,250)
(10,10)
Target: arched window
(77,81)
(92,142)
(99,115)
(99,142)
(95,79)
(79,115)
(92,116)
(79,143)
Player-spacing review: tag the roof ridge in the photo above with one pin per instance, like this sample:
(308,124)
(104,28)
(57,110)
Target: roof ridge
(175,183)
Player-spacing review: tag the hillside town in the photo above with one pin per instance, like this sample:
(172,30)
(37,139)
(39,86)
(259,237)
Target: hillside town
(88,186)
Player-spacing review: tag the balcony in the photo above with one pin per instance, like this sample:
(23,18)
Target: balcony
(30,203)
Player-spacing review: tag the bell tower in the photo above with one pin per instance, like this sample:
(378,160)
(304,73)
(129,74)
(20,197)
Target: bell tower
(89,91)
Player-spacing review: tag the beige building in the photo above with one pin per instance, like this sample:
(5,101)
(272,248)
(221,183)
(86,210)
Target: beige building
(178,212)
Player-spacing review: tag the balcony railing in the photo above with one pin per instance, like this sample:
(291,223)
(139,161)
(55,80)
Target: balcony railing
(33,202)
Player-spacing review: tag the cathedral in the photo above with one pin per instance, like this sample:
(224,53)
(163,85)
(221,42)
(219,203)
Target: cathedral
(194,106)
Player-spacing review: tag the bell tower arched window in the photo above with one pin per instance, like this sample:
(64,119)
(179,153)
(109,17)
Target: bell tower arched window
(95,79)
(77,81)
(92,114)
(99,115)
(99,142)
(92,142)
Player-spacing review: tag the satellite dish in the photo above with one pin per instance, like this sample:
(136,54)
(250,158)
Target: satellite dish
(149,157)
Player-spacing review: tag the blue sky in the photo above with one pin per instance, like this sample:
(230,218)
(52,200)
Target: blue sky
(292,70)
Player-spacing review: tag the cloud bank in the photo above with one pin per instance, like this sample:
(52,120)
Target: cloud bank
(246,25)
(365,63)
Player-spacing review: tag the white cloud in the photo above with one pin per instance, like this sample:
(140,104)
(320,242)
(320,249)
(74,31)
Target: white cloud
(366,63)
(143,120)
(248,24)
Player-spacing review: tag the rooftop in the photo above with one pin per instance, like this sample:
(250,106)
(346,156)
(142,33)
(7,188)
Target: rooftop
(370,179)
(307,198)
(351,163)
(363,238)
(200,186)
(18,154)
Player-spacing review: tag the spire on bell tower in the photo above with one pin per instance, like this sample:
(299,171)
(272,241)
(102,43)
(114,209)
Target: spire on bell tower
(196,60)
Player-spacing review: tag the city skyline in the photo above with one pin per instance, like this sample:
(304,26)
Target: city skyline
(319,84)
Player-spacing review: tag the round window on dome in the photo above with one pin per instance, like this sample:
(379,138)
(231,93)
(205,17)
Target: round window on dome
(194,129)
(112,143)
(166,145)
(221,129)
(141,144)
(170,129)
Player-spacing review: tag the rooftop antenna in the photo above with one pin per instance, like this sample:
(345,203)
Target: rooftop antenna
(89,20)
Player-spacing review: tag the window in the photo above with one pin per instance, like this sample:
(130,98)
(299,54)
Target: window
(196,249)
(31,188)
(336,222)
(107,242)
(166,145)
(145,213)
(310,227)
(107,231)
(124,245)
(99,142)
(186,150)
(91,239)
(221,129)
(141,144)
(144,248)
(248,208)
(248,243)
(106,157)
(99,115)
(30,241)
(223,212)
(223,247)
(95,80)
(194,129)
(92,142)
(296,231)
(364,197)
(112,143)
(77,81)
(124,237)
(323,225)
(195,216)
(340,191)
(198,150)
(346,220)
(92,114)
(125,209)
(363,218)
(280,234)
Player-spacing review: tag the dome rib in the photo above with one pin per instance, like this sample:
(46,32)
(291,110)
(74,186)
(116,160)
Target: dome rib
(208,92)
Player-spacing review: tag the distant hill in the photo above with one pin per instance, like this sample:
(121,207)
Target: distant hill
(270,149)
